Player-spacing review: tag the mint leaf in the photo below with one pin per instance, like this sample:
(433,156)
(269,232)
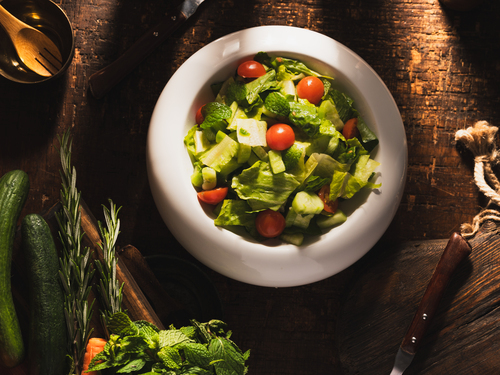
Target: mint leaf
(196,354)
(214,113)
(134,365)
(202,332)
(121,324)
(259,85)
(227,359)
(314,183)
(343,103)
(305,116)
(263,58)
(237,92)
(133,344)
(170,357)
(189,331)
(194,371)
(277,103)
(172,337)
(296,67)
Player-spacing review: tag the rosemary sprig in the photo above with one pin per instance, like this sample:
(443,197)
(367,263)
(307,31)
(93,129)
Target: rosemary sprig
(75,263)
(110,290)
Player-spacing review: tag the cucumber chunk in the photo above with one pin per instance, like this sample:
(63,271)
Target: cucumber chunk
(306,203)
(330,221)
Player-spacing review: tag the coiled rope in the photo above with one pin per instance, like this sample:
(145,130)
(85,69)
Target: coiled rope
(480,140)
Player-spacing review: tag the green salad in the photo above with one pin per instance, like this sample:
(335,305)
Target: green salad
(279,149)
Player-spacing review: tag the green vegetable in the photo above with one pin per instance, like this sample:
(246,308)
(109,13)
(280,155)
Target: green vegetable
(277,104)
(325,221)
(235,147)
(14,188)
(214,114)
(47,334)
(110,290)
(75,263)
(291,156)
(305,116)
(202,348)
(276,161)
(235,212)
(293,238)
(261,188)
(306,203)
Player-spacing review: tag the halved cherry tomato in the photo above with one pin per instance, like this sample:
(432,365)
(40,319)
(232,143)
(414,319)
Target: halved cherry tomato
(311,88)
(350,129)
(199,116)
(270,223)
(324,194)
(280,136)
(213,196)
(251,69)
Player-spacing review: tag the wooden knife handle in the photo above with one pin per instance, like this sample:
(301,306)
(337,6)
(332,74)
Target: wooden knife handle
(105,79)
(456,250)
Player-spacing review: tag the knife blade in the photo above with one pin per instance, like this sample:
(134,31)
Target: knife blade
(105,79)
(456,250)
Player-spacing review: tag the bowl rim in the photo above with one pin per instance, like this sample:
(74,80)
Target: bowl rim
(270,264)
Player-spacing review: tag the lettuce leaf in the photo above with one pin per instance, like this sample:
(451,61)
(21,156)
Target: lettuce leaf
(263,189)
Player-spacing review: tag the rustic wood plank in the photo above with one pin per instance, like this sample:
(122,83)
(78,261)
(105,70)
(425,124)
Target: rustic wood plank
(441,67)
(381,304)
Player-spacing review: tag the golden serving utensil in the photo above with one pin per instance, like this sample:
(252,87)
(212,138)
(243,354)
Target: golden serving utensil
(36,51)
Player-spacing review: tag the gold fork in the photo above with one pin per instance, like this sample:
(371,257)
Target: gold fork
(36,51)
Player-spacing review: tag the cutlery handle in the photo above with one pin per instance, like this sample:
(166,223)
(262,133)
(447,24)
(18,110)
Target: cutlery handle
(105,79)
(456,250)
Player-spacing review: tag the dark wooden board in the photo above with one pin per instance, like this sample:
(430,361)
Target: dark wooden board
(379,306)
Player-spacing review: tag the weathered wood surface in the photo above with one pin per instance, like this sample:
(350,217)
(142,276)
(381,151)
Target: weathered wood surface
(463,336)
(441,67)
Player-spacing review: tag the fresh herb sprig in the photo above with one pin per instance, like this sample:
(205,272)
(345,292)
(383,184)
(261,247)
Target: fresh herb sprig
(75,263)
(110,290)
(141,348)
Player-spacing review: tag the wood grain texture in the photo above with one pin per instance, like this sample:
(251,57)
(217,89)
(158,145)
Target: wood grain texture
(441,67)
(380,306)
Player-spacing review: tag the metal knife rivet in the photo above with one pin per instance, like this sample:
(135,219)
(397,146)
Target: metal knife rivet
(424,317)
(413,340)
(174,18)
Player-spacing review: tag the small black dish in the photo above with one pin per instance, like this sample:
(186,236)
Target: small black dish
(189,285)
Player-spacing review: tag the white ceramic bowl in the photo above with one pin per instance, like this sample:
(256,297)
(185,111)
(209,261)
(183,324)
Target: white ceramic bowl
(273,264)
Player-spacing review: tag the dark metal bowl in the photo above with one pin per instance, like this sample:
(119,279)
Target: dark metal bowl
(47,17)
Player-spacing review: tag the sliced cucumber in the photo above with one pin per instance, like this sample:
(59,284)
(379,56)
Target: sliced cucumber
(330,221)
(306,203)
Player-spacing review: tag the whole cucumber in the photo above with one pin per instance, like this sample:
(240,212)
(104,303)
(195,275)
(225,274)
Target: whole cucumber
(47,334)
(14,188)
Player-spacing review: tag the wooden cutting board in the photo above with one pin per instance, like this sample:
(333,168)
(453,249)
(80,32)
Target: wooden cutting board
(464,337)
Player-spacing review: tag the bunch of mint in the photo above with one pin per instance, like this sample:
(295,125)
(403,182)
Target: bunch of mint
(141,348)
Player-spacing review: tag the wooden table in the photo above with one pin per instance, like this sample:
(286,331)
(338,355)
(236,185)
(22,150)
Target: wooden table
(441,66)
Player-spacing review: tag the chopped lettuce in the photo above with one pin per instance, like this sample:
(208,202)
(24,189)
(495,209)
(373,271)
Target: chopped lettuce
(235,212)
(230,148)
(263,189)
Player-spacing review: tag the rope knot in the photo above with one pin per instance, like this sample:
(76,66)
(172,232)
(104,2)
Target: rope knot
(480,140)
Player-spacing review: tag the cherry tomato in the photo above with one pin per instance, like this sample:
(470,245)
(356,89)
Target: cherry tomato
(199,117)
(350,129)
(280,136)
(311,88)
(324,194)
(270,223)
(213,196)
(251,69)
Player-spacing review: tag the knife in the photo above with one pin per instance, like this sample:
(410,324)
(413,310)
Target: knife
(105,79)
(456,250)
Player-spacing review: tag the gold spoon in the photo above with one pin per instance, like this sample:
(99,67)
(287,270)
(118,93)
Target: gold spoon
(36,51)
